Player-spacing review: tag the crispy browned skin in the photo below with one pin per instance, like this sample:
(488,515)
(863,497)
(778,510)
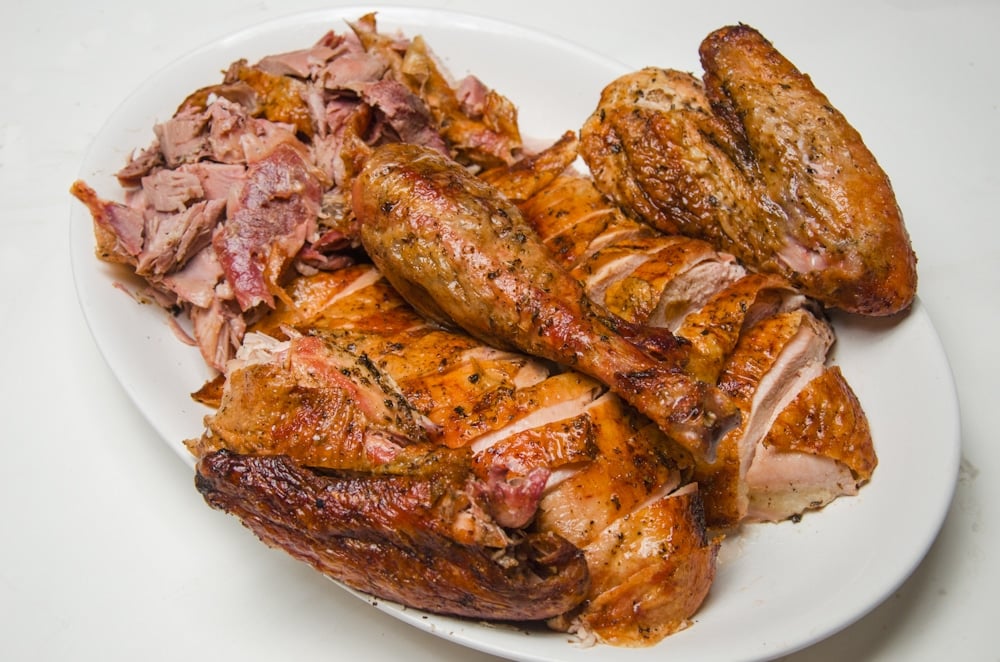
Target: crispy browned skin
(651,560)
(757,161)
(637,603)
(276,98)
(612,480)
(527,176)
(390,536)
(461,253)
(827,419)
(818,449)
(321,405)
(751,333)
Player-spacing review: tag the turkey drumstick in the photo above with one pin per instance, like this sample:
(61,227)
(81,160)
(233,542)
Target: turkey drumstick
(462,254)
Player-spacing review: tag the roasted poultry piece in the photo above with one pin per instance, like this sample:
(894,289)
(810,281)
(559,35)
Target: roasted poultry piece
(757,161)
(803,437)
(461,253)
(483,454)
(391,535)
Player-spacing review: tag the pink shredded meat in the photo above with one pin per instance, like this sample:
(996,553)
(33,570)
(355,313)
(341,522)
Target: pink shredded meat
(275,213)
(225,202)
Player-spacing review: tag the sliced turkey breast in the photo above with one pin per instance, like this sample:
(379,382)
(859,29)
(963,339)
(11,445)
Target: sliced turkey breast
(551,454)
(754,334)
(819,448)
(648,571)
(770,364)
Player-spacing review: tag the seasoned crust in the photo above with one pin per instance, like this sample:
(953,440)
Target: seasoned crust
(757,161)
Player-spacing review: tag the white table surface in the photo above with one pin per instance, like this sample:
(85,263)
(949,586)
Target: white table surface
(108,553)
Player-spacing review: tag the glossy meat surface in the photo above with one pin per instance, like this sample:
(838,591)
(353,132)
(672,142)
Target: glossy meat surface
(757,161)
(751,334)
(315,402)
(391,535)
(462,254)
(639,602)
(248,182)
(818,448)
(515,449)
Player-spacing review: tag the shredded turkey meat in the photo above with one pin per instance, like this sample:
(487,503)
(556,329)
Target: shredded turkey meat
(249,180)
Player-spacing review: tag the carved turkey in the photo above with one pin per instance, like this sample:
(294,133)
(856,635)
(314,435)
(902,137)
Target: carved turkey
(531,407)
(803,437)
(460,252)
(514,488)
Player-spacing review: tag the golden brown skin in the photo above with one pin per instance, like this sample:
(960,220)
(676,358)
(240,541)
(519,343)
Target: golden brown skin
(826,419)
(757,161)
(462,254)
(723,483)
(755,336)
(527,176)
(571,217)
(651,560)
(275,98)
(818,449)
(614,484)
(317,403)
(636,603)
